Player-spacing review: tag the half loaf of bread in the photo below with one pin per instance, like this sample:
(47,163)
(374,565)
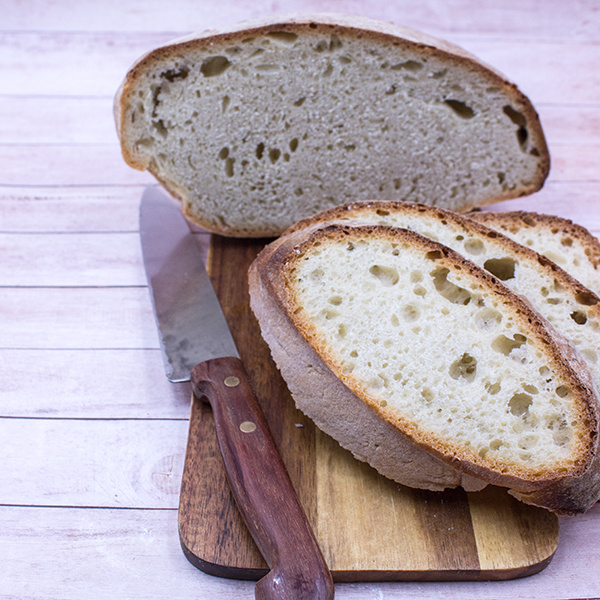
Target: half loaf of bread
(257,127)
(427,367)
(568,244)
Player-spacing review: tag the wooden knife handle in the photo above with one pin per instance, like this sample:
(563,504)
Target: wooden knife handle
(261,486)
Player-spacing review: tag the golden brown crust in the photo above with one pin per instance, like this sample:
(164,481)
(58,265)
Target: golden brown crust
(554,491)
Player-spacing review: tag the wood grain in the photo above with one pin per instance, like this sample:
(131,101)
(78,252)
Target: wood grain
(369,528)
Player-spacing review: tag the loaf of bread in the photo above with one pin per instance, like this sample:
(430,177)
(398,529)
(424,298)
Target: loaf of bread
(569,245)
(571,307)
(427,367)
(255,128)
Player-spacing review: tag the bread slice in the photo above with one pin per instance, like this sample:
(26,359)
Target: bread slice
(569,245)
(258,127)
(427,367)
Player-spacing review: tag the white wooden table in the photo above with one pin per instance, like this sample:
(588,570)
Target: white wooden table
(92,436)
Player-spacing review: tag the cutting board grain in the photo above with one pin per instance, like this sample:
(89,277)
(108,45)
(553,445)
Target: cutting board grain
(369,528)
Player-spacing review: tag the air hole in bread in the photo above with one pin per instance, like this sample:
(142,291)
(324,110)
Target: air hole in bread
(274,155)
(419,290)
(394,320)
(286,37)
(427,394)
(293,144)
(493,388)
(433,254)
(160,128)
(410,312)
(229,167)
(386,275)
(317,274)
(462,109)
(214,65)
(586,298)
(519,404)
(502,268)
(562,391)
(416,277)
(487,319)
(177,73)
(409,65)
(464,368)
(452,292)
(567,241)
(474,246)
(505,345)
(342,330)
(518,118)
(335,300)
(329,314)
(579,317)
(260,150)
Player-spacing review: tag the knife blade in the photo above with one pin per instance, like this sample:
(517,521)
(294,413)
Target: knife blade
(197,346)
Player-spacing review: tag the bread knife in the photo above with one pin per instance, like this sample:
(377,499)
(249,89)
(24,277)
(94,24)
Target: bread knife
(197,346)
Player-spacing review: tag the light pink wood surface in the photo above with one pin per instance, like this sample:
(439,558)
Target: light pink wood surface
(92,435)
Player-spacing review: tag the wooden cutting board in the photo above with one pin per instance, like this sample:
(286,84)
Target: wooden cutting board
(369,528)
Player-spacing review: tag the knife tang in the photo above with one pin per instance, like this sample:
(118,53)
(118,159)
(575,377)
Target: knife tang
(261,485)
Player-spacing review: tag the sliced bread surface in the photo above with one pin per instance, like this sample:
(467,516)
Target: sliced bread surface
(260,126)
(568,244)
(405,352)
(566,303)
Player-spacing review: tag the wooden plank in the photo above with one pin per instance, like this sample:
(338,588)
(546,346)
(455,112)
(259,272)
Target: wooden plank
(102,165)
(511,19)
(62,62)
(49,259)
(44,120)
(71,318)
(68,165)
(74,259)
(548,73)
(78,209)
(71,64)
(50,553)
(89,384)
(117,463)
(135,554)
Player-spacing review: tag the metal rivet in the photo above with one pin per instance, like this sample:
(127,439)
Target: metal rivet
(248,426)
(232,381)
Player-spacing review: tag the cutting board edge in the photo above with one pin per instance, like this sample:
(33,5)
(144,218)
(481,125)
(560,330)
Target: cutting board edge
(363,576)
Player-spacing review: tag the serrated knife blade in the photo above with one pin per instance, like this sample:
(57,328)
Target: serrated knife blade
(198,346)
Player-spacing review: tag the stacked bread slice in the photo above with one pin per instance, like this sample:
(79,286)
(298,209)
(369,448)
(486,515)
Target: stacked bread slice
(438,350)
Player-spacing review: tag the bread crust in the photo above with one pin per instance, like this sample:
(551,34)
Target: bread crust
(270,297)
(316,23)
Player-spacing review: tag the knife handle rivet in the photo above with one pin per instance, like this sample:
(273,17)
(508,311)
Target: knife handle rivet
(232,381)
(248,426)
